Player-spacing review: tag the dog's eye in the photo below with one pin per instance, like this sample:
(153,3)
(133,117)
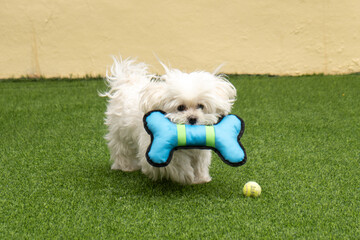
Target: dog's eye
(181,108)
(200,106)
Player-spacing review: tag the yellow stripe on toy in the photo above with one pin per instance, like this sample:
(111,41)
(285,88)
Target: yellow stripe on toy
(210,136)
(181,132)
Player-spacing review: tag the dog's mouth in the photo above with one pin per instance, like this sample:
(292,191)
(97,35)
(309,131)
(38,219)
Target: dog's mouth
(194,119)
(188,121)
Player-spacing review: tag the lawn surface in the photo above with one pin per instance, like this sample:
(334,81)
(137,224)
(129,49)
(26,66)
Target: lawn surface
(302,138)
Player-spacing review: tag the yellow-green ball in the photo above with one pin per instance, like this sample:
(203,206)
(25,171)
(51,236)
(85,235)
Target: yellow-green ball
(252,189)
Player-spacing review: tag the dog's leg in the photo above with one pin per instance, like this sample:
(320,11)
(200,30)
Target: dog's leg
(186,166)
(123,155)
(179,169)
(201,163)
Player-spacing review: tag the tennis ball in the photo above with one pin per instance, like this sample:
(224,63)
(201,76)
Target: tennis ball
(252,189)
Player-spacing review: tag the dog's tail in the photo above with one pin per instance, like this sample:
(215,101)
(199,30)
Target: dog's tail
(125,72)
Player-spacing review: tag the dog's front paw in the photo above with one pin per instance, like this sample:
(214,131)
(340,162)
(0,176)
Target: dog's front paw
(129,168)
(202,180)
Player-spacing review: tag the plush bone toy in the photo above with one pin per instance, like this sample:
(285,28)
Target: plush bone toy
(166,137)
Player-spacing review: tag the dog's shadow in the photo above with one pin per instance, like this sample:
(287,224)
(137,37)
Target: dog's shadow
(132,184)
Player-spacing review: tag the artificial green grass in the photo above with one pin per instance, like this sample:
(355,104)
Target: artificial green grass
(302,139)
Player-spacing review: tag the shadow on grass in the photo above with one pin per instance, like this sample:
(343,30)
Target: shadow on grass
(103,180)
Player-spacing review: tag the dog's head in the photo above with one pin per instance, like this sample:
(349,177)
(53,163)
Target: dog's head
(189,98)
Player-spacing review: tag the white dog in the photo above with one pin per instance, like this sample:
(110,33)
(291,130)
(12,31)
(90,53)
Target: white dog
(187,98)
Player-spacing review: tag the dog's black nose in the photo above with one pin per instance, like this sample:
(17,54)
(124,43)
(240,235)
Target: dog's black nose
(192,120)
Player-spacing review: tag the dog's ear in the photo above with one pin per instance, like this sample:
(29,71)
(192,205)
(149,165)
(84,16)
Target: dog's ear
(225,88)
(167,70)
(226,93)
(153,96)
(217,70)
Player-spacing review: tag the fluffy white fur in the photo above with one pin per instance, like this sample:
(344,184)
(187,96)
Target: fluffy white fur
(187,98)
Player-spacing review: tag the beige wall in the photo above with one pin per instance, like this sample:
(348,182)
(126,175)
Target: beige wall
(77,37)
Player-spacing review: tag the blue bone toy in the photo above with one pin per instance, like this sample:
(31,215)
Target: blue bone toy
(166,137)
